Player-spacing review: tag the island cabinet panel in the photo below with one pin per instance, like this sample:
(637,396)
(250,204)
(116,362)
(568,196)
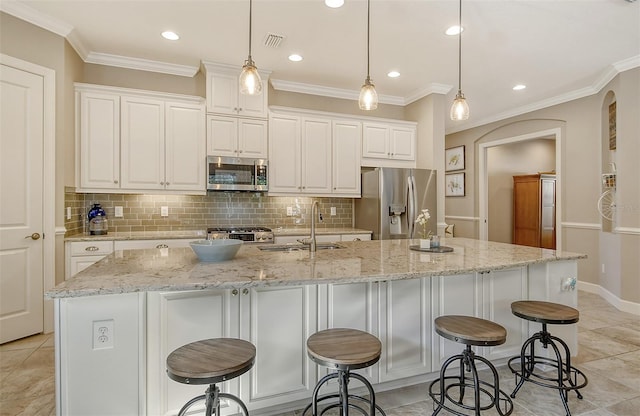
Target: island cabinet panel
(452,295)
(499,289)
(100,350)
(178,318)
(278,322)
(405,328)
(349,305)
(556,282)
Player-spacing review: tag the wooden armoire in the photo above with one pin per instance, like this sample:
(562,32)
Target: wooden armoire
(534,210)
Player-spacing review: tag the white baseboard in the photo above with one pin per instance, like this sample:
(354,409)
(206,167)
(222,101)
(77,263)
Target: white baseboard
(621,304)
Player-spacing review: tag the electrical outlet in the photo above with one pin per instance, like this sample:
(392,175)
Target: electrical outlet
(333,211)
(289,211)
(103,335)
(118,212)
(164,211)
(68,213)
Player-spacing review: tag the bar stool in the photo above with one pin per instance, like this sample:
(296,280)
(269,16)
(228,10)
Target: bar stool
(469,331)
(344,350)
(209,362)
(524,365)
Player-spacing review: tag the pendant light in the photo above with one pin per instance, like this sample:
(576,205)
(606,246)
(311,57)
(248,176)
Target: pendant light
(250,82)
(460,108)
(368,96)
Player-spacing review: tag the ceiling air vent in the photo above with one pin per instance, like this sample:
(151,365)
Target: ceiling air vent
(272,40)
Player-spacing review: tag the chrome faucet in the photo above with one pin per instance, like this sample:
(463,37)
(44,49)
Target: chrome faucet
(314,215)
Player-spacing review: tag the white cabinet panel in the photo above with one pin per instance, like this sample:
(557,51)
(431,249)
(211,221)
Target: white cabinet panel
(403,143)
(236,137)
(375,141)
(405,328)
(185,147)
(316,156)
(284,152)
(146,244)
(176,319)
(223,92)
(98,140)
(81,254)
(142,143)
(355,237)
(282,371)
(346,143)
(388,141)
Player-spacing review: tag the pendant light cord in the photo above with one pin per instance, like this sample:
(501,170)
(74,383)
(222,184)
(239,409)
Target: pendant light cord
(460,47)
(250,9)
(368,30)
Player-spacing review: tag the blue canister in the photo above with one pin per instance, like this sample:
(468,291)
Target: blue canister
(96,211)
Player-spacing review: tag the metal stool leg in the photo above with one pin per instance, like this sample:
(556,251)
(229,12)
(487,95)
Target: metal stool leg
(212,402)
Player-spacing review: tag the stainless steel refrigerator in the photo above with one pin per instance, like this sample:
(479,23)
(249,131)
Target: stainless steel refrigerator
(391,200)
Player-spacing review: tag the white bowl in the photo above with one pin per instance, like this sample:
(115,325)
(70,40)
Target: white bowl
(216,250)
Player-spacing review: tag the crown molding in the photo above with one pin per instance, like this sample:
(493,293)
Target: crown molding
(323,91)
(607,75)
(31,15)
(433,88)
(141,64)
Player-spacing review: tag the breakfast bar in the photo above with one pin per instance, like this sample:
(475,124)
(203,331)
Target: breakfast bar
(117,321)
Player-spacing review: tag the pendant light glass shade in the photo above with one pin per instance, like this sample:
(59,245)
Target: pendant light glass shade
(368,99)
(460,108)
(250,82)
(368,96)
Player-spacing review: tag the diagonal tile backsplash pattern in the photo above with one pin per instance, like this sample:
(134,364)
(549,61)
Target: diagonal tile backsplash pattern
(193,212)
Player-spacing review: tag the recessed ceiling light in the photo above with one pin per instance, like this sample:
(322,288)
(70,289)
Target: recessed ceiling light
(295,57)
(393,74)
(519,87)
(170,35)
(454,30)
(334,4)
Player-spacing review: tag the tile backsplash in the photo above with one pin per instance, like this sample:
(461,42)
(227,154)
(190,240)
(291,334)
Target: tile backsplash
(191,212)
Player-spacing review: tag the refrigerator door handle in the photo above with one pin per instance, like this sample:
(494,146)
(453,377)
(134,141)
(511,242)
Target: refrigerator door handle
(411,205)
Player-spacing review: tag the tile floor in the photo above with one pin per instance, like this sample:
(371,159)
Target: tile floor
(609,354)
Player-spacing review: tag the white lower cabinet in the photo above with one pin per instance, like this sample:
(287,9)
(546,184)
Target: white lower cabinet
(405,328)
(142,244)
(278,322)
(81,254)
(178,318)
(349,305)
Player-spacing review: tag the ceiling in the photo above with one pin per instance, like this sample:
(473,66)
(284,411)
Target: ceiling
(560,49)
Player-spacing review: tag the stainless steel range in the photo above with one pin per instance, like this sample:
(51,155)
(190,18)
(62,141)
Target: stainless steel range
(246,234)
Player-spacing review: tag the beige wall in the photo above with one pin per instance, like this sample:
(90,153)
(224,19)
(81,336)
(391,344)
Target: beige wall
(580,123)
(503,162)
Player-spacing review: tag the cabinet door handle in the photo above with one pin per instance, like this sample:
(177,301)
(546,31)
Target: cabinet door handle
(167,183)
(357,239)
(91,248)
(162,246)
(245,291)
(115,181)
(234,292)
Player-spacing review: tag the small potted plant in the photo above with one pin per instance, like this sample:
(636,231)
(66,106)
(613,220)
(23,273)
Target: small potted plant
(425,235)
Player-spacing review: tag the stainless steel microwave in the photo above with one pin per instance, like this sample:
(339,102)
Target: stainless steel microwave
(237,174)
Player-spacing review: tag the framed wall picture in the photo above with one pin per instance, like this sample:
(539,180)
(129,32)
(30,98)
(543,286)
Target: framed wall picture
(454,184)
(454,158)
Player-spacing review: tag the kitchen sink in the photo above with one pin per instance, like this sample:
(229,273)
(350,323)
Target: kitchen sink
(298,247)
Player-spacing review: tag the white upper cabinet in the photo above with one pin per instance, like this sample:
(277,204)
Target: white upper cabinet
(346,139)
(236,137)
(300,150)
(388,141)
(98,140)
(131,141)
(223,92)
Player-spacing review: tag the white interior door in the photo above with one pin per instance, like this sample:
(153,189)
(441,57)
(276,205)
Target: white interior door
(21,203)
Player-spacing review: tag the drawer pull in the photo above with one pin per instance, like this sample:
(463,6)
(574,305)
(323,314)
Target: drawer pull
(92,248)
(162,246)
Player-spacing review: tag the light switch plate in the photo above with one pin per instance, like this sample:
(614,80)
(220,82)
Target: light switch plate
(289,211)
(164,211)
(333,211)
(118,212)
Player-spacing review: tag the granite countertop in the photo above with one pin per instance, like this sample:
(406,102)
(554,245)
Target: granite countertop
(362,261)
(153,235)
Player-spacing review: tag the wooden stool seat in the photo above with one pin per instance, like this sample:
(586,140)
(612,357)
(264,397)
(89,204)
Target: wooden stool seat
(545,312)
(469,330)
(344,348)
(210,361)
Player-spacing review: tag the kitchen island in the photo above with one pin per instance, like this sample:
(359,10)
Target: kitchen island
(118,320)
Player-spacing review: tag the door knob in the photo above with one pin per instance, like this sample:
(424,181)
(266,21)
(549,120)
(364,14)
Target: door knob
(34,236)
